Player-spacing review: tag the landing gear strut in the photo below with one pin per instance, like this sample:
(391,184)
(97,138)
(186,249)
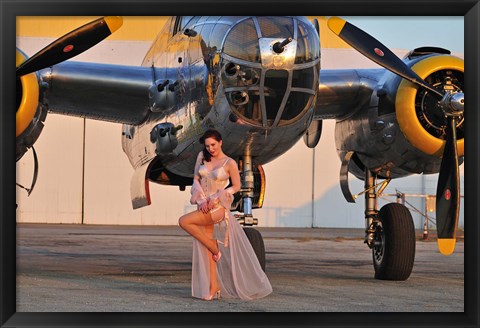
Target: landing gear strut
(389,233)
(247,219)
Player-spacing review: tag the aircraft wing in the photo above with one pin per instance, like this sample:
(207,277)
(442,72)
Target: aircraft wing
(47,82)
(344,92)
(113,93)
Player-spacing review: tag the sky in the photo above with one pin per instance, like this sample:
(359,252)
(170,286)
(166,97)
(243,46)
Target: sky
(401,32)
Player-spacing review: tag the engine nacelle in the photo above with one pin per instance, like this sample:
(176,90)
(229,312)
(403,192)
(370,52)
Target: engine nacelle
(402,130)
(31,113)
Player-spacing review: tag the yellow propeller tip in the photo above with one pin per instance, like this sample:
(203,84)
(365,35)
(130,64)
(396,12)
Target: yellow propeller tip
(113,22)
(446,246)
(19,58)
(336,24)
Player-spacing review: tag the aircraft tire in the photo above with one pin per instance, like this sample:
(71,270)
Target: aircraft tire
(394,250)
(256,241)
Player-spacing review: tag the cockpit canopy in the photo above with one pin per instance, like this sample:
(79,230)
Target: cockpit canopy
(270,68)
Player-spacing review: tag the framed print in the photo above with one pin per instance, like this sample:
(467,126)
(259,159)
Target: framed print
(199,84)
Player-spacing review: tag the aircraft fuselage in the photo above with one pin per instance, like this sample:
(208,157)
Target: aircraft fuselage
(252,78)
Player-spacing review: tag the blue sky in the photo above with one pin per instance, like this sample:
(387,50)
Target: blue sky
(409,32)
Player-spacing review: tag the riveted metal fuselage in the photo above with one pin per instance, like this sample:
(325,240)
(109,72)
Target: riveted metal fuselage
(262,105)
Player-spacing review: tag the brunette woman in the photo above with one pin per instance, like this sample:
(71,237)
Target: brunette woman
(224,262)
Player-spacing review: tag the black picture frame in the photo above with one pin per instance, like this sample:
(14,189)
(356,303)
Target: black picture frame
(10,9)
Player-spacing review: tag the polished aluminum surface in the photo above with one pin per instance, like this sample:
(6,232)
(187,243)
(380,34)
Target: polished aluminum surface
(342,92)
(453,104)
(273,60)
(195,93)
(227,73)
(98,91)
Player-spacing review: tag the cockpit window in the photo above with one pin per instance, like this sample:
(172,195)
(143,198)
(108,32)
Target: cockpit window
(217,35)
(280,27)
(181,22)
(303,78)
(274,90)
(184,22)
(308,44)
(269,69)
(297,102)
(242,42)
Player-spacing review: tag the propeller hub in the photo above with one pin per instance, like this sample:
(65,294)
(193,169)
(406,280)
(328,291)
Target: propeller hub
(453,104)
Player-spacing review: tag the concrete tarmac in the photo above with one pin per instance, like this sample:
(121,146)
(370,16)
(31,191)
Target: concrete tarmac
(89,268)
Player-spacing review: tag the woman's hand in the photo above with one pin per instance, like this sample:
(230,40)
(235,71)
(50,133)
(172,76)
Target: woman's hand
(212,201)
(205,206)
(208,204)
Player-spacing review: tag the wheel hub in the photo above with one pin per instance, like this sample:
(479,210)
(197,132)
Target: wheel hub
(431,113)
(379,244)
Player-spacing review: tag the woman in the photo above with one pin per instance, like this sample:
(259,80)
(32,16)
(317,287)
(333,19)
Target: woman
(224,263)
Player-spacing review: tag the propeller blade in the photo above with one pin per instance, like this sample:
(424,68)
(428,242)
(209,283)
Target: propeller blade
(448,192)
(71,44)
(376,51)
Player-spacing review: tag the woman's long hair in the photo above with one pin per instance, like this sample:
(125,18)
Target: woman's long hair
(209,134)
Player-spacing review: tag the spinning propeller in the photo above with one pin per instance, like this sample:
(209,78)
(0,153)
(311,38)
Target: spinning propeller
(71,44)
(452,104)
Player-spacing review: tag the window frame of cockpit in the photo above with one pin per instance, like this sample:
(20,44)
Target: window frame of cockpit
(312,64)
(179,25)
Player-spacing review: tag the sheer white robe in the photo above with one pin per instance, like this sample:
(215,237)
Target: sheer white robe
(238,270)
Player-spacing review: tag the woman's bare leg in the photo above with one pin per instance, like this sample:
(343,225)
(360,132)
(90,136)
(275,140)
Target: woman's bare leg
(192,222)
(213,266)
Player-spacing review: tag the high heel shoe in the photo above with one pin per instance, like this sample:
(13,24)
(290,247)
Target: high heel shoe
(215,295)
(216,257)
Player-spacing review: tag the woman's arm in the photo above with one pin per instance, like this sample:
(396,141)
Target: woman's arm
(198,194)
(234,177)
(197,166)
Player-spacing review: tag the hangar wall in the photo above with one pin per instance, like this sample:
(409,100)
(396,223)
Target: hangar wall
(84,176)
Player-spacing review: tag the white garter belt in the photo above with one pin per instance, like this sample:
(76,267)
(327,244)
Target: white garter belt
(224,217)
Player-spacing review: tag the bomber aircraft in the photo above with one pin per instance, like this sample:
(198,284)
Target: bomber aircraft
(258,80)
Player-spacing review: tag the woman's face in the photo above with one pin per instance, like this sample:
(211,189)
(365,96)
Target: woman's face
(213,146)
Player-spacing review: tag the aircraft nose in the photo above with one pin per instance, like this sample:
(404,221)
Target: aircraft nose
(273,40)
(243,40)
(270,68)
